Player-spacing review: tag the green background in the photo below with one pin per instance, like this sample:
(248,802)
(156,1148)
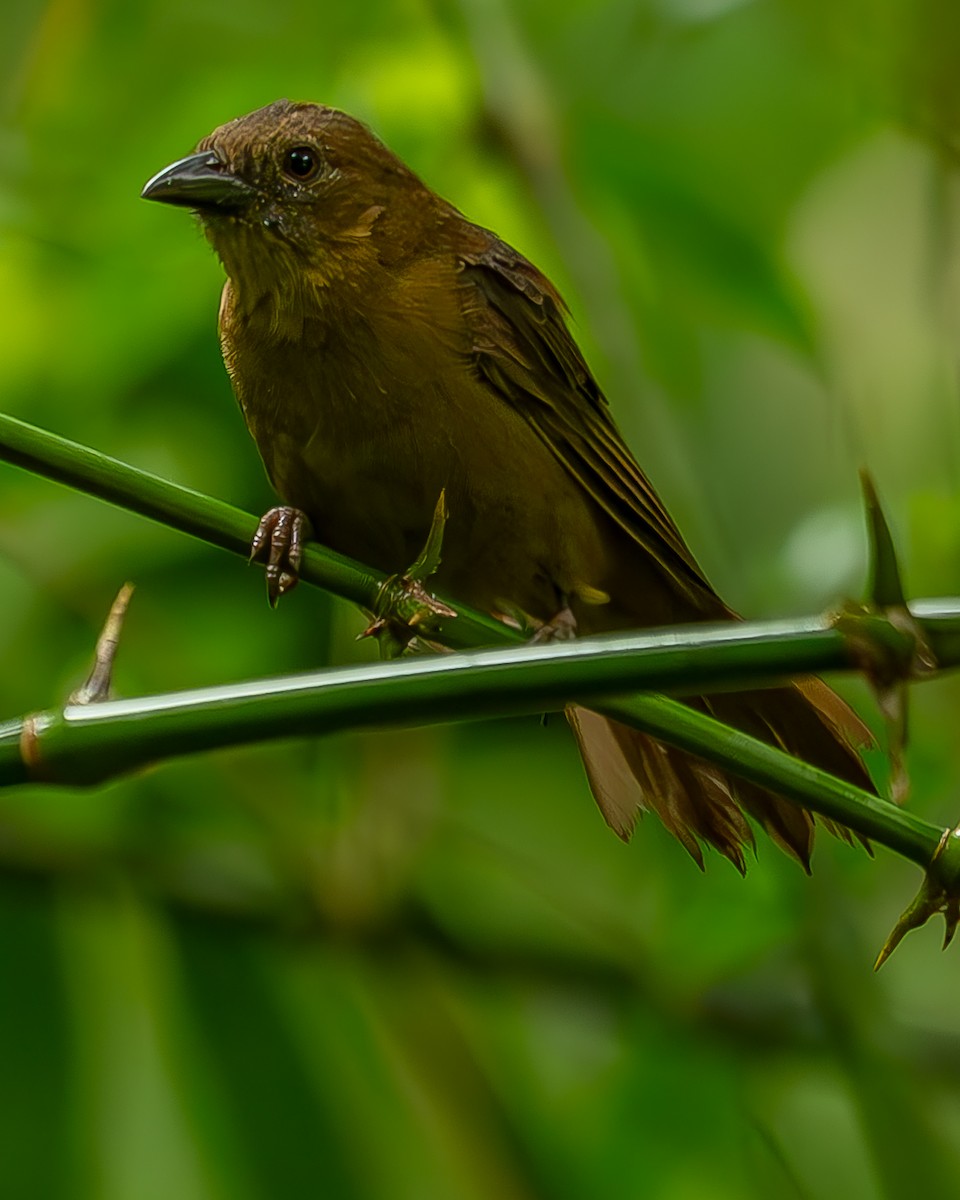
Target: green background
(417,964)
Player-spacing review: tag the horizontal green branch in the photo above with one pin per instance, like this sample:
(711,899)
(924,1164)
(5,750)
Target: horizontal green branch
(89,744)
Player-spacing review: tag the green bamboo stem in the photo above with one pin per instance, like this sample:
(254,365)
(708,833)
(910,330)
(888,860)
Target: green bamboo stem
(212,521)
(230,528)
(875,818)
(91,743)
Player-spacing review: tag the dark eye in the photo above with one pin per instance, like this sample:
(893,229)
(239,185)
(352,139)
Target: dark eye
(301,162)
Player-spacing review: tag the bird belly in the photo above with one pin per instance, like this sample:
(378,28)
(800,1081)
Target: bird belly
(521,534)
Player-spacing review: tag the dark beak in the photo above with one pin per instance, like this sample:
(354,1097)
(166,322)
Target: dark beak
(199,181)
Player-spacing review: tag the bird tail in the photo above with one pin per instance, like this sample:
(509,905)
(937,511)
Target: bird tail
(631,773)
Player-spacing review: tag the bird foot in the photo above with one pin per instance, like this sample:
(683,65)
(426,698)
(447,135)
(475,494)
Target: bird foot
(560,628)
(278,543)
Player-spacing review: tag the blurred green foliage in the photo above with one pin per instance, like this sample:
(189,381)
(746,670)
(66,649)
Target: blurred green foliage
(417,965)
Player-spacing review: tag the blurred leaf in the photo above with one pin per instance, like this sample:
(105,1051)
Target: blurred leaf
(35,1045)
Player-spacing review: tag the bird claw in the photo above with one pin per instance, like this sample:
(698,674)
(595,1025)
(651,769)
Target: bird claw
(278,543)
(562,627)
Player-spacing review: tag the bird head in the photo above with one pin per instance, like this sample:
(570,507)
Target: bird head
(296,190)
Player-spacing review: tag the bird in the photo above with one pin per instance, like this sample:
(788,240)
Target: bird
(385,349)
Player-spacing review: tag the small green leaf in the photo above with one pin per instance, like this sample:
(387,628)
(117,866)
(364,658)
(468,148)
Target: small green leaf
(429,559)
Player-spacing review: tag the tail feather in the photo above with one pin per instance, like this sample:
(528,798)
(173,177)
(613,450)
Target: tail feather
(788,825)
(699,803)
(617,789)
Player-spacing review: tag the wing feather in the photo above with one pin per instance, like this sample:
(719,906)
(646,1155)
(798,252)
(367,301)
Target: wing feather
(525,351)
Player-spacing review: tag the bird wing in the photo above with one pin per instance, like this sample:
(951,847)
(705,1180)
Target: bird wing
(524,350)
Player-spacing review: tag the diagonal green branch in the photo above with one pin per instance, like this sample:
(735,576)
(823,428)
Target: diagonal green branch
(201,516)
(230,528)
(88,744)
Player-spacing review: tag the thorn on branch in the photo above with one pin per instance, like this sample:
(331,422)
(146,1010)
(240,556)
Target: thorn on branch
(404,606)
(97,685)
(884,639)
(939,893)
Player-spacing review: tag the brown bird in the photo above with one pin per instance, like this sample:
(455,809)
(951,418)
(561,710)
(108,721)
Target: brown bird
(382,348)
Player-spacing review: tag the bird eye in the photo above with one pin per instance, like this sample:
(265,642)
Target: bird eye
(301,163)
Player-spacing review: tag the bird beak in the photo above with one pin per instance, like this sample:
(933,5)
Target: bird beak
(199,181)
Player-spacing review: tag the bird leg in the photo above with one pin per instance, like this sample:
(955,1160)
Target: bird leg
(278,543)
(562,627)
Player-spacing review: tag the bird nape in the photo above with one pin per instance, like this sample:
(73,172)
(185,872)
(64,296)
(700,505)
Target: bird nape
(383,348)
